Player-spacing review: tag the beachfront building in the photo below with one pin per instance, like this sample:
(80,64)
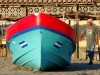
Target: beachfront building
(73,12)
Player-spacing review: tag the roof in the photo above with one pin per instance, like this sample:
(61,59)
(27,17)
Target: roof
(42,2)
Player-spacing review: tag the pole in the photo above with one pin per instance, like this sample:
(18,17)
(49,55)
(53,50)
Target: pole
(64,16)
(98,43)
(76,22)
(77,38)
(0,38)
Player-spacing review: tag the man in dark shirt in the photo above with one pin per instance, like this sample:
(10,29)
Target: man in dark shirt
(92,38)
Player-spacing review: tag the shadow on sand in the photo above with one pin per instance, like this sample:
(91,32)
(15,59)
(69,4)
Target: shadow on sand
(78,67)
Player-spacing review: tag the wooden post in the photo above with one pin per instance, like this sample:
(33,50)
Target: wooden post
(76,56)
(64,16)
(0,50)
(26,11)
(4,51)
(77,33)
(69,22)
(98,42)
(0,39)
(75,28)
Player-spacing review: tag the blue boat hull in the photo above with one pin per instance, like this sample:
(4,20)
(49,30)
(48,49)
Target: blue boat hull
(41,49)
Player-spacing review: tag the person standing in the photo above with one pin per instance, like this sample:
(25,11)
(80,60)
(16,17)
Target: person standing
(91,39)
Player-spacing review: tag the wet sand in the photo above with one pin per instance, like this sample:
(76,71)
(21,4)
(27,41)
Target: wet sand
(77,67)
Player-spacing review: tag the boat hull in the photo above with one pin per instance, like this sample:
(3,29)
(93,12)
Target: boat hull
(41,41)
(41,51)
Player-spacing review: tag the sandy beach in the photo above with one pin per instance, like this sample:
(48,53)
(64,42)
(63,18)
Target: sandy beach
(77,67)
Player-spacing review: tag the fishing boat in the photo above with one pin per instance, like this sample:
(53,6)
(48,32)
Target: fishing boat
(41,41)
